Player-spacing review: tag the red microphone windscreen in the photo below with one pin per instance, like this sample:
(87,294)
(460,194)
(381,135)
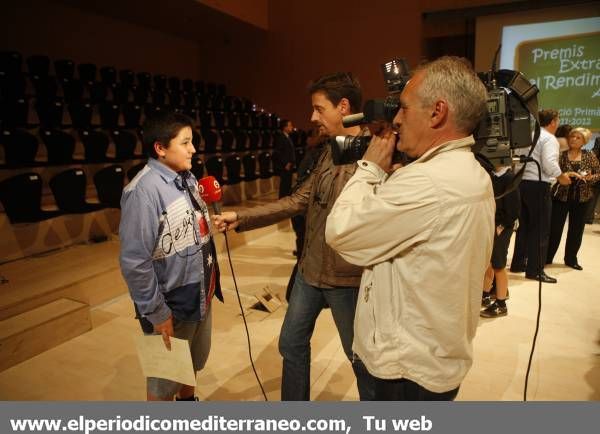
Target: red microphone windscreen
(210,189)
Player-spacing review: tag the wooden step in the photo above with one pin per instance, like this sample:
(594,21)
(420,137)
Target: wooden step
(33,332)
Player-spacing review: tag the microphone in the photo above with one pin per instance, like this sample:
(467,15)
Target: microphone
(211,192)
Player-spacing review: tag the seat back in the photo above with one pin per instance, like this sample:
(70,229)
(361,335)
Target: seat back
(21,196)
(95,145)
(20,147)
(59,144)
(249,163)
(125,143)
(109,185)
(233,164)
(214,167)
(69,188)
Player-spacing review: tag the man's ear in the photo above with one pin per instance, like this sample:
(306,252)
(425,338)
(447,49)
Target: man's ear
(344,106)
(439,114)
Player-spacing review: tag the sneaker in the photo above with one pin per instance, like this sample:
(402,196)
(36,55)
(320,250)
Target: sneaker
(486,301)
(493,311)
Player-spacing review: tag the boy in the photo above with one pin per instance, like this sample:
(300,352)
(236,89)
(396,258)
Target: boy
(167,253)
(507,212)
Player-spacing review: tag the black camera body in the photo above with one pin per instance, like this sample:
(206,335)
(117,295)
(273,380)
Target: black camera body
(508,124)
(348,149)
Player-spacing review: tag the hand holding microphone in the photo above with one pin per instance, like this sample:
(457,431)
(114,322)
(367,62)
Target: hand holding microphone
(211,193)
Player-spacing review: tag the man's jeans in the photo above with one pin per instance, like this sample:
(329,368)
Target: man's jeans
(305,304)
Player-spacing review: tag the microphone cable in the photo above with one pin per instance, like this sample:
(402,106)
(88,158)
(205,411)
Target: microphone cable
(237,292)
(217,210)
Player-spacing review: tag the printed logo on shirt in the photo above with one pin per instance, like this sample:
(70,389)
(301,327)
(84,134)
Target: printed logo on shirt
(177,230)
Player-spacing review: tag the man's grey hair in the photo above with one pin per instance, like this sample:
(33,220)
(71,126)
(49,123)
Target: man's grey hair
(453,79)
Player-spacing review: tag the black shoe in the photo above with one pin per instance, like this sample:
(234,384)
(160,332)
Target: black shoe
(517,269)
(493,311)
(575,266)
(486,301)
(543,277)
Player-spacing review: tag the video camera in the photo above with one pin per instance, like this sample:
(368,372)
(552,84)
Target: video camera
(348,149)
(511,114)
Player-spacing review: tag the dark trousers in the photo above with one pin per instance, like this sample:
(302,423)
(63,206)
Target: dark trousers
(285,183)
(576,212)
(298,224)
(534,227)
(406,390)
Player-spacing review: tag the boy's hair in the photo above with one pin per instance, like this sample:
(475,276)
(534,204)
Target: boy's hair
(547,116)
(337,86)
(162,128)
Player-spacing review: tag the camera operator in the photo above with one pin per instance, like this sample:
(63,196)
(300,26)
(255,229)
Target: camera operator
(424,235)
(323,277)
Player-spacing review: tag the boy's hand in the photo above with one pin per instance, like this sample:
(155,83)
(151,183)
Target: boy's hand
(166,330)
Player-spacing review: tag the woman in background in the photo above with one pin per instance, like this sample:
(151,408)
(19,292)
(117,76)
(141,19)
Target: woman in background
(583,168)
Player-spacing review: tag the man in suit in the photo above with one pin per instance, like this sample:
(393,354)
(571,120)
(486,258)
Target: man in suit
(285,158)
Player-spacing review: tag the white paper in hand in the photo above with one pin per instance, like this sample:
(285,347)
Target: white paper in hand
(157,361)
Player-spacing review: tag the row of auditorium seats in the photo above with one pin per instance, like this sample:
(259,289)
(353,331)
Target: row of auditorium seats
(64,69)
(54,113)
(21,195)
(21,146)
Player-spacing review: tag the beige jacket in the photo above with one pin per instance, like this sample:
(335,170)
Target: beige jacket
(424,236)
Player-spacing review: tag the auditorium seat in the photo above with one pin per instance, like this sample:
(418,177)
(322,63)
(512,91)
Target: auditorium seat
(192,113)
(45,87)
(20,147)
(59,145)
(197,167)
(69,190)
(64,69)
(219,117)
(266,139)
(121,93)
(95,145)
(244,120)
(232,120)
(127,78)
(134,170)
(200,87)
(21,196)
(12,87)
(189,99)
(72,89)
(14,113)
(227,140)
(109,114)
(140,95)
(108,75)
(160,82)
(81,114)
(125,144)
(264,165)
(196,140)
(233,164)
(174,98)
(174,84)
(132,114)
(144,80)
(187,85)
(159,97)
(211,89)
(38,65)
(214,167)
(206,119)
(241,140)
(249,163)
(87,72)
(50,112)
(109,185)
(10,63)
(254,137)
(98,92)
(210,141)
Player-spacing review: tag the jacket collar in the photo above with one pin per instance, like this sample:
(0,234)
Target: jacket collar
(463,144)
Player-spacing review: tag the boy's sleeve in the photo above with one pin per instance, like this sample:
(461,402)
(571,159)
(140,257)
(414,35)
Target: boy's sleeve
(138,232)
